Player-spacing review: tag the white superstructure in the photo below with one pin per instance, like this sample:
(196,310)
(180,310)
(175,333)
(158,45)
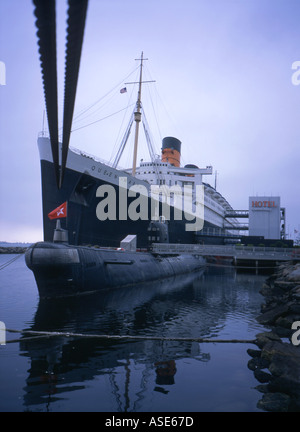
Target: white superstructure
(161,173)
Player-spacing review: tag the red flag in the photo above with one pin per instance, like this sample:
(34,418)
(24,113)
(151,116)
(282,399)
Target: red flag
(59,212)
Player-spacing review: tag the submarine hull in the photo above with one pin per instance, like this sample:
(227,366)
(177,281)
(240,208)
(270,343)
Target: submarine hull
(62,270)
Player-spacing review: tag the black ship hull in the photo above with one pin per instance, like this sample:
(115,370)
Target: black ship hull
(82,223)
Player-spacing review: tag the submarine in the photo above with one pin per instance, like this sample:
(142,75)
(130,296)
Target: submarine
(63,270)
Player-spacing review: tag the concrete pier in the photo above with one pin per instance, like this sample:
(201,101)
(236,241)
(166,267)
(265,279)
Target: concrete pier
(240,255)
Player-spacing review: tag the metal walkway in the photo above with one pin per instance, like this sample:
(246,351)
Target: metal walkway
(236,252)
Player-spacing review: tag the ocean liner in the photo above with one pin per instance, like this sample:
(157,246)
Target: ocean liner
(88,181)
(85,175)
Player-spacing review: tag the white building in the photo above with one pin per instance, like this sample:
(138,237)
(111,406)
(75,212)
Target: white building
(265,216)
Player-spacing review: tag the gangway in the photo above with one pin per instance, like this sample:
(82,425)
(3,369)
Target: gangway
(236,214)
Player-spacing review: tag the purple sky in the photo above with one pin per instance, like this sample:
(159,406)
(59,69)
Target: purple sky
(223,71)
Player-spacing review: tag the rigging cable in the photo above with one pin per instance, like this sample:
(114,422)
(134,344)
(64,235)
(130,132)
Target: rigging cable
(148,139)
(46,25)
(123,142)
(117,86)
(81,118)
(152,104)
(120,129)
(99,120)
(75,31)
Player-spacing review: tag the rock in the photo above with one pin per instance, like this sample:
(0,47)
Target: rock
(283,332)
(284,285)
(286,373)
(257,363)
(253,353)
(261,376)
(286,321)
(295,274)
(295,309)
(280,359)
(268,291)
(286,270)
(285,384)
(296,293)
(265,290)
(263,338)
(252,364)
(284,365)
(295,404)
(276,402)
(13,250)
(262,388)
(272,347)
(270,316)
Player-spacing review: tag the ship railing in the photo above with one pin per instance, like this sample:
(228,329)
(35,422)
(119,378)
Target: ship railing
(45,134)
(237,251)
(95,158)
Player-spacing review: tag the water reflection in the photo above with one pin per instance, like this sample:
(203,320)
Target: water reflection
(197,305)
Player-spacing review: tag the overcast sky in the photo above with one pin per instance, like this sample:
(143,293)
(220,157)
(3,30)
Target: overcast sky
(223,71)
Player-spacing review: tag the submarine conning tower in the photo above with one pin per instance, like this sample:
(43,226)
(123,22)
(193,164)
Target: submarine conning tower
(170,151)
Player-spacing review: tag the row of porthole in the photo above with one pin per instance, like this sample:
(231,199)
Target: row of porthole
(153,238)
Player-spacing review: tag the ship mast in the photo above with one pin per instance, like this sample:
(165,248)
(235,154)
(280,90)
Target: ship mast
(137,113)
(137,117)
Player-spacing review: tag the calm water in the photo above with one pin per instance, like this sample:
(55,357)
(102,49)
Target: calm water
(76,374)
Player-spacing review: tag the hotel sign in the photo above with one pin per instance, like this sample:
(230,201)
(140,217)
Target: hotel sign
(263,204)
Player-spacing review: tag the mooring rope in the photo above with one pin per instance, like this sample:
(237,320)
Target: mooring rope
(12,260)
(7,263)
(38,334)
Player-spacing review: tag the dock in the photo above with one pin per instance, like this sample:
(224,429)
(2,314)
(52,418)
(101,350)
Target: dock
(248,256)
